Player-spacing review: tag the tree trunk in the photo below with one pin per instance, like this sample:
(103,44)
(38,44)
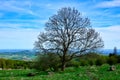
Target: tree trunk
(63,62)
(63,59)
(63,66)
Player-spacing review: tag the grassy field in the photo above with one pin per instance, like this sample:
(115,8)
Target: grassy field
(81,73)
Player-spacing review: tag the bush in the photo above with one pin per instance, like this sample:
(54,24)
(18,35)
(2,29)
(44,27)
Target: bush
(3,63)
(47,61)
(73,63)
(112,60)
(118,57)
(14,64)
(101,60)
(91,62)
(89,59)
(84,62)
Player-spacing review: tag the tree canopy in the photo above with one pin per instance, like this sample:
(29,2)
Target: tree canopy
(68,34)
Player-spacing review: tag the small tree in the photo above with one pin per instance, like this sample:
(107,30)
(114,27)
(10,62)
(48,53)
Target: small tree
(68,34)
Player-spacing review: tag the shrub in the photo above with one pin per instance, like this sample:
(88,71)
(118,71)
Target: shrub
(112,60)
(89,59)
(47,61)
(101,60)
(91,62)
(118,57)
(73,63)
(84,62)
(3,63)
(14,64)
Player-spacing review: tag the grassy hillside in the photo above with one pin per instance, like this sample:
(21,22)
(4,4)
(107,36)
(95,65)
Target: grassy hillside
(81,73)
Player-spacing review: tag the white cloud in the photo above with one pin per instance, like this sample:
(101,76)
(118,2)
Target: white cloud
(21,7)
(18,38)
(109,4)
(18,24)
(110,36)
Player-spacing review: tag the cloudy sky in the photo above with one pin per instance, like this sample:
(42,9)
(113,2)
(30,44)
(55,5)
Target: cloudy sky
(22,20)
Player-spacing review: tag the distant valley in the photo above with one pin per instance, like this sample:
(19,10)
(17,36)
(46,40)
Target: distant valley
(17,54)
(29,54)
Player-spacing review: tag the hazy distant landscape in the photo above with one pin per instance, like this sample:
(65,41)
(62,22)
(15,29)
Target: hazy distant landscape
(29,54)
(18,54)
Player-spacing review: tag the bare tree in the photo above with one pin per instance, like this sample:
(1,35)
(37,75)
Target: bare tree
(68,34)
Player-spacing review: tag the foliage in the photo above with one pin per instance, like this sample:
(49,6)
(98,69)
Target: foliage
(47,61)
(113,57)
(91,59)
(101,60)
(14,64)
(84,63)
(91,62)
(118,57)
(73,63)
(112,60)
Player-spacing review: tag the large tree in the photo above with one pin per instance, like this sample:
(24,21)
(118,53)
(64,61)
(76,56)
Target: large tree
(68,34)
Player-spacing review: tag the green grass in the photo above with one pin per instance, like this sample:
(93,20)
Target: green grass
(81,73)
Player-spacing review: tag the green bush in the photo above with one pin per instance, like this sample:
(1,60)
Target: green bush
(3,64)
(73,63)
(112,60)
(91,62)
(100,61)
(118,57)
(49,61)
(89,59)
(84,62)
(14,64)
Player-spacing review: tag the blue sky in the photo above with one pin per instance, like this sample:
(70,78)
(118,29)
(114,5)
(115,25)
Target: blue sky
(22,20)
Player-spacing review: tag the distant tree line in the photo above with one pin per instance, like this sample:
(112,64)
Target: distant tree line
(14,64)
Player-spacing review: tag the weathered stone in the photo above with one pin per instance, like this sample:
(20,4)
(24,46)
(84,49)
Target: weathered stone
(112,68)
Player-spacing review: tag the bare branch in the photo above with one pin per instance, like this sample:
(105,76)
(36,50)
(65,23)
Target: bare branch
(68,34)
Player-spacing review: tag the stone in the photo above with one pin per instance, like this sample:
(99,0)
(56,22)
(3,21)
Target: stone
(1,69)
(112,68)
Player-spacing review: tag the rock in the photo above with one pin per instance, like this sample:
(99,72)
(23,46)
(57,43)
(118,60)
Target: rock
(112,68)
(1,69)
